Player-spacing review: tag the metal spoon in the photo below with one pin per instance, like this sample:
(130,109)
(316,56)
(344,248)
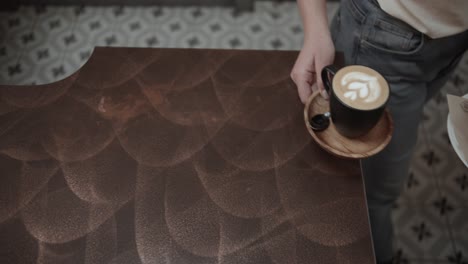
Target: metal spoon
(320,122)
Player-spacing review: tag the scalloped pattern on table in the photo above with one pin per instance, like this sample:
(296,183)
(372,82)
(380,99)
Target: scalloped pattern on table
(174,156)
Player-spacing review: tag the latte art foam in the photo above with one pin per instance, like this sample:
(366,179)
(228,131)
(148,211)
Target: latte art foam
(360,87)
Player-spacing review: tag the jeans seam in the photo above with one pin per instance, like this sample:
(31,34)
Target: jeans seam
(337,26)
(394,52)
(358,14)
(379,22)
(360,33)
(357,46)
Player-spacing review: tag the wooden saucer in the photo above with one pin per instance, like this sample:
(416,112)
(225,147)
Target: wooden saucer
(336,144)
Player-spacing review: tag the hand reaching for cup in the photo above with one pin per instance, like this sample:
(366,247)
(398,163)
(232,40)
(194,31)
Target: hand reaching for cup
(314,56)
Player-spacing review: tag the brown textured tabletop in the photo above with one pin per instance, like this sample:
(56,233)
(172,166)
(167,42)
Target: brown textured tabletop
(173,156)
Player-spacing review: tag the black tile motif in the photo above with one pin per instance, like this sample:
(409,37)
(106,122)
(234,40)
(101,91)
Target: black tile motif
(457,80)
(69,39)
(158,12)
(197,13)
(84,55)
(14,22)
(174,27)
(462,181)
(94,25)
(400,258)
(135,26)
(276,43)
(119,11)
(236,13)
(42,54)
(15,70)
(443,206)
(412,181)
(215,27)
(79,10)
(458,258)
(58,71)
(27,38)
(235,42)
(421,231)
(275,15)
(256,28)
(193,42)
(152,41)
(55,23)
(297,29)
(431,158)
(110,40)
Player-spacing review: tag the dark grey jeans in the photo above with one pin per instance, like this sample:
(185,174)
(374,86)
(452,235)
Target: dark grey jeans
(416,67)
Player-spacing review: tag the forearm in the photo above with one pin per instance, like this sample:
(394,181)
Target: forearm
(314,19)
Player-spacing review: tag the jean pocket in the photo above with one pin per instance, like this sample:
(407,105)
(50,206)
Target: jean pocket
(392,38)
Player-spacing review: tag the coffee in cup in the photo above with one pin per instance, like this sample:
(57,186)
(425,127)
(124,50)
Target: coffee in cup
(358,97)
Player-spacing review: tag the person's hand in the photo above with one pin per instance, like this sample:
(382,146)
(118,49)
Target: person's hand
(314,56)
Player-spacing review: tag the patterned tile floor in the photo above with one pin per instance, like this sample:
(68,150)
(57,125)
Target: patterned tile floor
(41,45)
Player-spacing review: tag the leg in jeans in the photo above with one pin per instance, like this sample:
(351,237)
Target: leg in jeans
(415,68)
(385,173)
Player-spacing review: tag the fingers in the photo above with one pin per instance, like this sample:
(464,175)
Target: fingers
(303,74)
(304,90)
(303,78)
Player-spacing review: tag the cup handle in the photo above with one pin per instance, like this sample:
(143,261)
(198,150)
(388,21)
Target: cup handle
(327,75)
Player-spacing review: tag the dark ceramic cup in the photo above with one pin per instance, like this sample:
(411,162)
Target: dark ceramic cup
(350,120)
